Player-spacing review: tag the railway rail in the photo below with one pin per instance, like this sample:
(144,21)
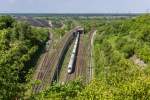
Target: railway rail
(51,63)
(81,62)
(79,59)
(90,48)
(84,62)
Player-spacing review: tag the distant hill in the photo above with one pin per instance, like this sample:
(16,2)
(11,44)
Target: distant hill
(71,14)
(33,21)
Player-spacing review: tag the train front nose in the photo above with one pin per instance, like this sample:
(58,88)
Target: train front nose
(69,70)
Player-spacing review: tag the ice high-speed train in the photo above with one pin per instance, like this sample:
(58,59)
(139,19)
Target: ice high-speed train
(73,55)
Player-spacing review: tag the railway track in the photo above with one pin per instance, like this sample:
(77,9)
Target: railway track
(81,58)
(43,73)
(47,71)
(90,47)
(83,65)
(77,69)
(63,75)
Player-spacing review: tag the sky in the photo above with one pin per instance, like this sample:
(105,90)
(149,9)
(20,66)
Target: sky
(74,6)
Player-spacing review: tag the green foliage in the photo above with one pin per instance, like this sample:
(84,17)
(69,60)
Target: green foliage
(118,76)
(98,90)
(40,34)
(18,45)
(6,22)
(61,91)
(60,32)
